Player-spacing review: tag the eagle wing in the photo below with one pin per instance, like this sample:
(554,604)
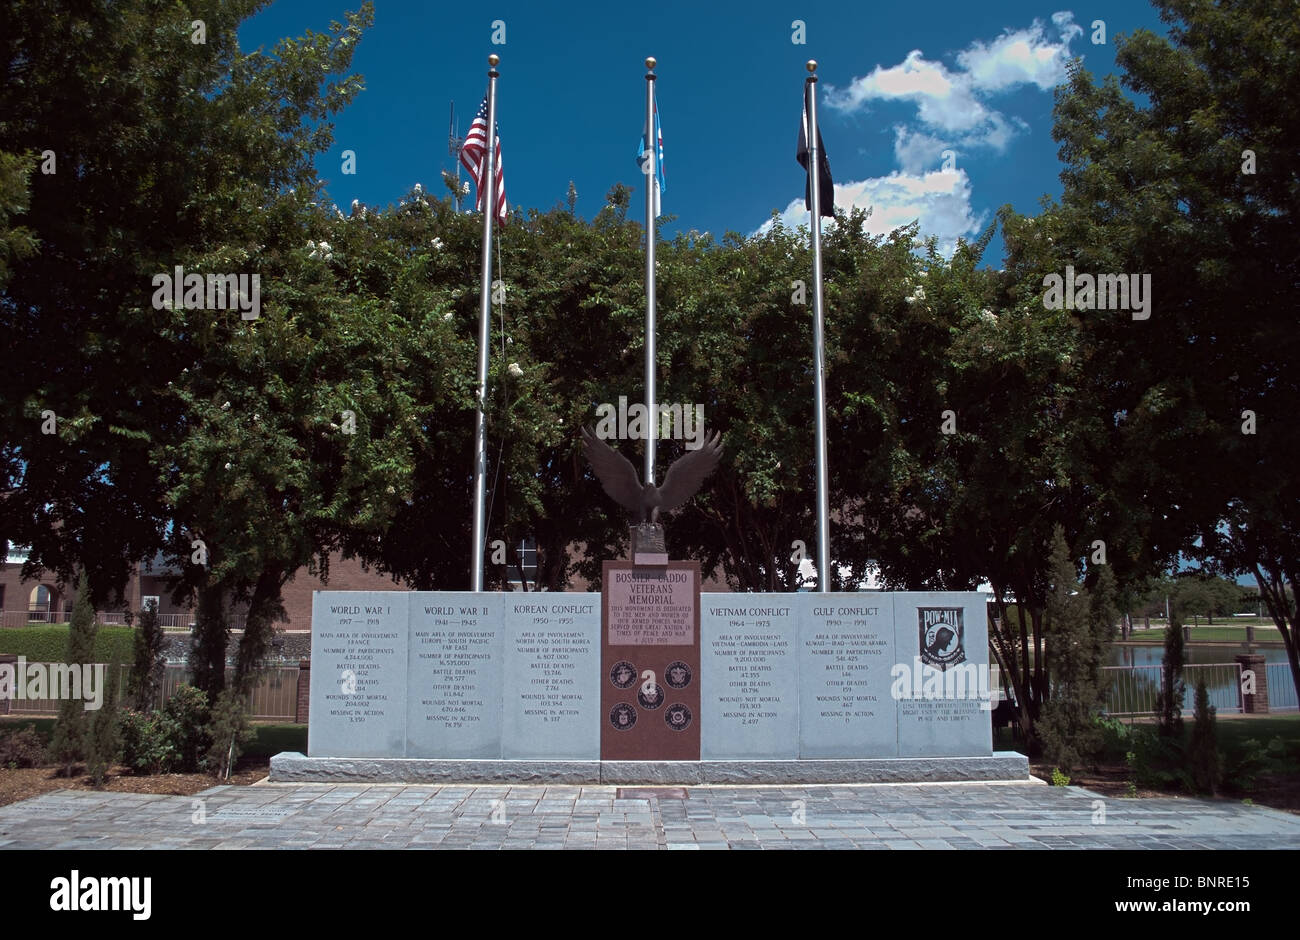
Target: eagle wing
(686,474)
(616,474)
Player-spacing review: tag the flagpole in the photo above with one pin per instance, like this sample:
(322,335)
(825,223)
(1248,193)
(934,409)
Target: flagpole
(488,195)
(651,179)
(819,353)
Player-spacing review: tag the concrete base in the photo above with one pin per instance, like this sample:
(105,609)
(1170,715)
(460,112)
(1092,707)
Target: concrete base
(292,767)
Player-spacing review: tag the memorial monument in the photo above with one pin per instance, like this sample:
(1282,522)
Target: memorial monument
(650,681)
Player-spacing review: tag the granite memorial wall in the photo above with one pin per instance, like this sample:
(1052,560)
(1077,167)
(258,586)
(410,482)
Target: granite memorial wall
(519,676)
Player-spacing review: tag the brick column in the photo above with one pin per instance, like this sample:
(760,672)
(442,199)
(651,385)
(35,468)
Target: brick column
(304,692)
(12,660)
(1256,703)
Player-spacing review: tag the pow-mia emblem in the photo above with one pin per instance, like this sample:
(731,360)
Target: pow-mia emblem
(622,675)
(622,716)
(651,699)
(678,675)
(942,635)
(678,717)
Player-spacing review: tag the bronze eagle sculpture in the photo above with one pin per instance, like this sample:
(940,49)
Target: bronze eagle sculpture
(618,477)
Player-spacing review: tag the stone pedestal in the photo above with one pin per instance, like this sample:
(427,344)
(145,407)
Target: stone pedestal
(648,544)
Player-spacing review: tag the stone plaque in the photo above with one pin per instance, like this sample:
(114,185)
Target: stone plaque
(454,675)
(846,649)
(750,686)
(941,674)
(551,707)
(650,662)
(358,676)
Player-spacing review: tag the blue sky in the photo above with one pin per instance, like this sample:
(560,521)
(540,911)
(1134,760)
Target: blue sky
(900,83)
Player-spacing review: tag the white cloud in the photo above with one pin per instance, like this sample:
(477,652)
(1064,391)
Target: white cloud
(952,101)
(943,99)
(939,201)
(952,113)
(1021,57)
(916,150)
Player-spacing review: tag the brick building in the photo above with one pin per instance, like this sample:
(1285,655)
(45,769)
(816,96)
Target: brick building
(47,600)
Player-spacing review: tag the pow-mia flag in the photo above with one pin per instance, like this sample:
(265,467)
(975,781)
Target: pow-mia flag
(942,635)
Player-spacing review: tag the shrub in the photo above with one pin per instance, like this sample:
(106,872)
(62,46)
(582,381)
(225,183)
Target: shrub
(49,644)
(148,744)
(150,659)
(1169,700)
(1116,738)
(103,742)
(68,743)
(230,732)
(1242,768)
(1203,749)
(187,714)
(1059,779)
(22,747)
(1158,762)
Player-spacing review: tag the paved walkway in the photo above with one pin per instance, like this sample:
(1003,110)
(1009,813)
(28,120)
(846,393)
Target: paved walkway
(902,816)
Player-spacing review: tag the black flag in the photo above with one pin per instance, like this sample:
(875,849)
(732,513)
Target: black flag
(825,184)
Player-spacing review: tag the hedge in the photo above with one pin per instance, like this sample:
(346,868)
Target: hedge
(49,644)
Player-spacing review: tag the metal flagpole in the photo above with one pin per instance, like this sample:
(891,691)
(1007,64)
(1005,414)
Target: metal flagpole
(489,196)
(819,354)
(651,182)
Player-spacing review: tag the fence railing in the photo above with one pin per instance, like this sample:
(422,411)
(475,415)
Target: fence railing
(1281,687)
(173,621)
(273,698)
(1131,690)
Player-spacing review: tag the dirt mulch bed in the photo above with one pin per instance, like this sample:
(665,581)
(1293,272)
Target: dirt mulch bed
(24,784)
(1112,781)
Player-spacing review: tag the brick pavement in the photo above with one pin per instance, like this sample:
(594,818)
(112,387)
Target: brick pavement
(900,816)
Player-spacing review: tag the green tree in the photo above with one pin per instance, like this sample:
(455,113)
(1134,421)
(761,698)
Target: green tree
(1188,178)
(1079,626)
(1169,698)
(209,643)
(1203,748)
(150,659)
(183,158)
(229,731)
(103,741)
(68,743)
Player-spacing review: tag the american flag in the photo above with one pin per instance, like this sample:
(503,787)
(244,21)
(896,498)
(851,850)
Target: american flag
(472,157)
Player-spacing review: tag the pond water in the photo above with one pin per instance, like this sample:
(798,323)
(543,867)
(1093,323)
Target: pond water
(1198,655)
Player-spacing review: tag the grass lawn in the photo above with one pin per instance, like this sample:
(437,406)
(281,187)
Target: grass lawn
(1278,786)
(1231,633)
(1233,732)
(271,738)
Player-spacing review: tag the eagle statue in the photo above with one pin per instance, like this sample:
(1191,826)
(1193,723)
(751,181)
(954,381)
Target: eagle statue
(618,477)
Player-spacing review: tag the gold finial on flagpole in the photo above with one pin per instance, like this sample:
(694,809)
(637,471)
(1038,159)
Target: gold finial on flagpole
(812,65)
(650,62)
(493,59)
